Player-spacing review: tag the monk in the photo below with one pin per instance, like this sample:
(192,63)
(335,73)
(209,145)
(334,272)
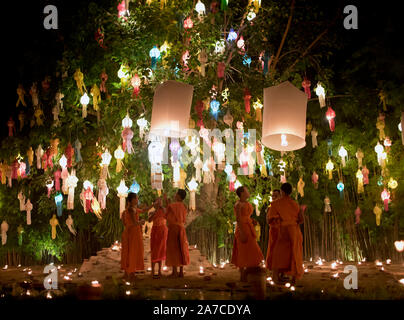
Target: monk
(246,252)
(132,252)
(274,225)
(158,238)
(288,249)
(177,242)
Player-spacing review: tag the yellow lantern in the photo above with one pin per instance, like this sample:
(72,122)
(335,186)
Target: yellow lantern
(119,155)
(284,121)
(257,105)
(329,167)
(392,183)
(359,175)
(171,109)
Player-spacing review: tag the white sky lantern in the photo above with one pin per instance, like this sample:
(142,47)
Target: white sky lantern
(122,194)
(84,100)
(119,155)
(171,109)
(320,92)
(192,185)
(142,123)
(106,160)
(200,8)
(343,153)
(379,150)
(284,121)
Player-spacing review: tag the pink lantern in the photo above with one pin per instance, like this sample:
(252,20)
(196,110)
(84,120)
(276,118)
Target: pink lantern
(386,197)
(171,108)
(135,81)
(306,85)
(284,122)
(330,115)
(188,24)
(365,172)
(314,179)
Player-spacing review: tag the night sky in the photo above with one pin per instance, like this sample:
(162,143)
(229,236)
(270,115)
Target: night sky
(31,51)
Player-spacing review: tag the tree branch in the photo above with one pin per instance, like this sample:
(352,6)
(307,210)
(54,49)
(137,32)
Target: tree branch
(292,8)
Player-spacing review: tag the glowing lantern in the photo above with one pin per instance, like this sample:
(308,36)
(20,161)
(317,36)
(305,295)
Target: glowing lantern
(156,152)
(135,187)
(320,92)
(58,201)
(87,196)
(228,118)
(284,114)
(399,245)
(188,24)
(327,204)
(192,185)
(359,156)
(127,134)
(84,100)
(257,4)
(171,109)
(257,105)
(142,123)
(256,201)
(135,82)
(387,142)
(122,194)
(119,155)
(251,15)
(300,187)
(330,115)
(306,85)
(343,153)
(378,212)
(214,108)
(379,150)
(49,185)
(154,55)
(340,187)
(385,197)
(359,175)
(392,183)
(220,47)
(123,74)
(400,127)
(241,44)
(106,160)
(71,185)
(329,167)
(237,184)
(232,35)
(380,125)
(200,8)
(314,179)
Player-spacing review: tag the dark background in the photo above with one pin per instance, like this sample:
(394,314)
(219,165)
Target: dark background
(30,51)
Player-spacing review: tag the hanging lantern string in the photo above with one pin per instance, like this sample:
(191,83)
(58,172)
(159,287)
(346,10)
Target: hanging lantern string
(341,96)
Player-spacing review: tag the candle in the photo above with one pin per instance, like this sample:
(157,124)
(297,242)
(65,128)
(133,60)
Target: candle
(388,261)
(201,270)
(292,288)
(127,292)
(287,285)
(95,284)
(333,265)
(49,296)
(5,267)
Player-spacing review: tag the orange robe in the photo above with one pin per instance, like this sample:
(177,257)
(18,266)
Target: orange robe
(272,237)
(288,249)
(246,254)
(158,238)
(177,242)
(132,243)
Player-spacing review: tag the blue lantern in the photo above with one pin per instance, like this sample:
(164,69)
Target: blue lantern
(214,108)
(380,181)
(58,201)
(232,35)
(246,60)
(340,187)
(154,55)
(135,187)
(329,143)
(27,167)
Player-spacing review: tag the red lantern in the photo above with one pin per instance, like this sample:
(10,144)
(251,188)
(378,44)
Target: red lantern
(386,197)
(11,127)
(199,108)
(104,78)
(330,115)
(247,98)
(135,81)
(220,70)
(188,24)
(69,152)
(306,85)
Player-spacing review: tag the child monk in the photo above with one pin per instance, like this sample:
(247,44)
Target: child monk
(158,238)
(132,251)
(288,249)
(246,252)
(177,242)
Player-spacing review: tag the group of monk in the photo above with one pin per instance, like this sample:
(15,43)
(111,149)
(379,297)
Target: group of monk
(285,243)
(168,240)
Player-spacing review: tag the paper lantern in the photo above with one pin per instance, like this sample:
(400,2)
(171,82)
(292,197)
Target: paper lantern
(192,185)
(58,201)
(241,44)
(142,123)
(399,245)
(119,155)
(103,191)
(171,109)
(342,153)
(232,35)
(320,92)
(392,183)
(329,167)
(306,85)
(135,82)
(49,185)
(256,201)
(401,125)
(28,208)
(200,8)
(71,184)
(220,47)
(385,195)
(379,150)
(378,212)
(341,187)
(84,100)
(214,108)
(359,175)
(135,187)
(327,204)
(106,160)
(188,24)
(284,123)
(358,213)
(251,15)
(330,115)
(154,55)
(122,194)
(314,179)
(127,134)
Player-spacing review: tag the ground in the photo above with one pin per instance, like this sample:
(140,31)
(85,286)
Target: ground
(215,284)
